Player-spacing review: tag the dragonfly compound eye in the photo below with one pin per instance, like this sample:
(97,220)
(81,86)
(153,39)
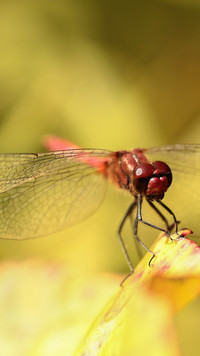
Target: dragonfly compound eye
(141,175)
(152,180)
(162,169)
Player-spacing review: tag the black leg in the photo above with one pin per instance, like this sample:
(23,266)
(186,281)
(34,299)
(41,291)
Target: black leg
(138,202)
(128,213)
(137,246)
(176,222)
(138,218)
(160,214)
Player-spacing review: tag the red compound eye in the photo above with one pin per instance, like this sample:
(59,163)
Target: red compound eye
(162,169)
(141,176)
(143,170)
(152,180)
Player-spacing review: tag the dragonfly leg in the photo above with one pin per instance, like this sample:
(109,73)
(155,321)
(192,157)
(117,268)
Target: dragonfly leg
(160,214)
(137,246)
(128,214)
(139,218)
(138,202)
(176,222)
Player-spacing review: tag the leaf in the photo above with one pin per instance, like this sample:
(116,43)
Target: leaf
(45,308)
(138,320)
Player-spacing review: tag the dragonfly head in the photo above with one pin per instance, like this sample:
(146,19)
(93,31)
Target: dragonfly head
(152,179)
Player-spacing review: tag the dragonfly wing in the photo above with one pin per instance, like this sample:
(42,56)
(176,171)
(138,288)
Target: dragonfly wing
(44,193)
(183,196)
(182,158)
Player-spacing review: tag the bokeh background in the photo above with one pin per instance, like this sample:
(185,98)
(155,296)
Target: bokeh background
(114,75)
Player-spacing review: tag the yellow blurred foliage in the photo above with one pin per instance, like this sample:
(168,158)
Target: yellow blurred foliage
(139,319)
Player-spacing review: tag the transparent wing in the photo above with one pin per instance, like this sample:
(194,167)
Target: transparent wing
(44,193)
(183,196)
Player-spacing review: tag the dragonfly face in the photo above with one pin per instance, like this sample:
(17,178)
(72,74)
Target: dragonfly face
(133,172)
(152,180)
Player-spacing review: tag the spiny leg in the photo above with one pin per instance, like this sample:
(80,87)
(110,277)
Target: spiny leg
(139,206)
(139,217)
(160,214)
(138,202)
(128,213)
(137,246)
(176,222)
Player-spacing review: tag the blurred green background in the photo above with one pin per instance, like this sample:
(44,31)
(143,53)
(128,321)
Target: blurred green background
(114,75)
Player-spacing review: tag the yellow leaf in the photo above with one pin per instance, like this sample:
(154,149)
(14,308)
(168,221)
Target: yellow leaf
(46,308)
(139,319)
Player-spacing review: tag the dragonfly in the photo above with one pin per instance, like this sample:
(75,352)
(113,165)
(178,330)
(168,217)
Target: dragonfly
(43,193)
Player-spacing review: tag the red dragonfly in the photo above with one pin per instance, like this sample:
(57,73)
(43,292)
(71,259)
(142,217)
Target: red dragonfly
(47,192)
